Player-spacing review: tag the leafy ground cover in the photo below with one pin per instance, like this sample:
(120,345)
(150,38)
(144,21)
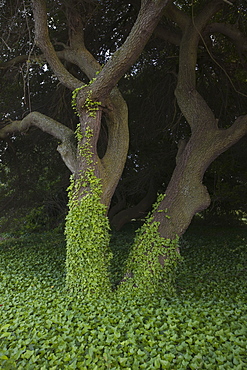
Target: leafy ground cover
(203,327)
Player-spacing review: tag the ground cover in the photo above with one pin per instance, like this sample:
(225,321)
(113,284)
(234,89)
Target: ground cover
(203,327)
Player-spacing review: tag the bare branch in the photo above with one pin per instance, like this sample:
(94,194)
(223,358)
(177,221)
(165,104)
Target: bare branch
(228,2)
(148,18)
(67,148)
(43,41)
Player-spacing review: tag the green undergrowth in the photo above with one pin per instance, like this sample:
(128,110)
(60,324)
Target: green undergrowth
(203,327)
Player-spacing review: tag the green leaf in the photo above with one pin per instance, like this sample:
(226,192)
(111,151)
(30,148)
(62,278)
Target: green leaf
(27,354)
(3,357)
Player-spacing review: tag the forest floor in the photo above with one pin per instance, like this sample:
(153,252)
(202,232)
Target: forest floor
(202,327)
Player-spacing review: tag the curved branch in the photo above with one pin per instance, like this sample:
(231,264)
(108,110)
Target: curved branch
(190,40)
(138,211)
(43,41)
(114,159)
(177,16)
(191,103)
(67,148)
(78,54)
(231,31)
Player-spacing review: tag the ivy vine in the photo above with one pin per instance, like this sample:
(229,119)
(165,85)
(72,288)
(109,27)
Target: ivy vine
(87,235)
(146,276)
(87,227)
(90,105)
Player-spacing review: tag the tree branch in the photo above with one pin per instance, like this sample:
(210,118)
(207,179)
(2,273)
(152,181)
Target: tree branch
(43,41)
(14,61)
(177,16)
(67,148)
(231,31)
(192,104)
(148,18)
(77,53)
(173,37)
(234,133)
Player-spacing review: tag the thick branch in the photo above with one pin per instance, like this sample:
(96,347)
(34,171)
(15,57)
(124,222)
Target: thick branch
(77,53)
(148,18)
(43,41)
(231,31)
(115,157)
(14,61)
(177,16)
(189,44)
(191,103)
(67,148)
(137,212)
(234,133)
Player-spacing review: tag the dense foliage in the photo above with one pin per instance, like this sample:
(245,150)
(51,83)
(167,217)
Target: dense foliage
(87,232)
(203,327)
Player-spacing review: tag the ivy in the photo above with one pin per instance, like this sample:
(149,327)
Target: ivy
(87,237)
(42,327)
(74,97)
(87,227)
(145,274)
(90,105)
(87,233)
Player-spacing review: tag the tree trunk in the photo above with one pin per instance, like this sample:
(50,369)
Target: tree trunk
(90,193)
(151,263)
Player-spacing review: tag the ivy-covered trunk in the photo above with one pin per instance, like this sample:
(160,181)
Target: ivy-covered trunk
(151,266)
(146,274)
(92,186)
(87,229)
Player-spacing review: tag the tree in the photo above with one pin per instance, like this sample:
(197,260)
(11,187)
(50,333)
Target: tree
(99,102)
